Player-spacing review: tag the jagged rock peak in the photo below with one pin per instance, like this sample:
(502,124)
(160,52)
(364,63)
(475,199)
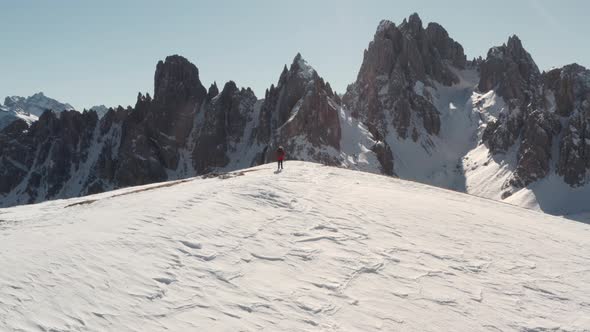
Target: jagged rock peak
(229,88)
(414,23)
(302,68)
(177,80)
(213,91)
(513,49)
(384,25)
(514,42)
(510,70)
(298,57)
(409,46)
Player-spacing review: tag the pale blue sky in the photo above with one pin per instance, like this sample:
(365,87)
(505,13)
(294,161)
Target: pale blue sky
(104,52)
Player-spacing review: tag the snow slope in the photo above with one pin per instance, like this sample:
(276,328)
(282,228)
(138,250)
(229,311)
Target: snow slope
(312,248)
(28,109)
(7,116)
(457,159)
(36,104)
(436,160)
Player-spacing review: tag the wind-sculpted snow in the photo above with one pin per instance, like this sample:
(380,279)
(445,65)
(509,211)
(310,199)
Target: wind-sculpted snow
(311,248)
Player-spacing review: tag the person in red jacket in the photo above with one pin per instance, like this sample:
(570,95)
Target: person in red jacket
(280,157)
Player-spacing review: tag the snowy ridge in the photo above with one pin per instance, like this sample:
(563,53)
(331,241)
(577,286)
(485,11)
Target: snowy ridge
(28,109)
(7,116)
(436,159)
(312,248)
(36,104)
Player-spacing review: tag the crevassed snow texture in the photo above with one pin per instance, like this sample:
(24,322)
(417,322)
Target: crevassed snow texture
(311,248)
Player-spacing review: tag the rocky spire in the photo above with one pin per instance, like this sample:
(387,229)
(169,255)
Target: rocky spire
(301,105)
(414,24)
(511,71)
(397,58)
(177,80)
(213,91)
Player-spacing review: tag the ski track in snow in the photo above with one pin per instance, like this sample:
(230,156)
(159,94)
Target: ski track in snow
(312,248)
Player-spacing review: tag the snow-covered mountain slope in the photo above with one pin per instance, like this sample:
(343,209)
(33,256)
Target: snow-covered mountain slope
(7,116)
(437,159)
(28,109)
(311,248)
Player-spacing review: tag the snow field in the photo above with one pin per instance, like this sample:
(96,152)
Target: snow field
(312,248)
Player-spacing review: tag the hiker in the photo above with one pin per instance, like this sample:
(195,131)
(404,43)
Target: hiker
(280,157)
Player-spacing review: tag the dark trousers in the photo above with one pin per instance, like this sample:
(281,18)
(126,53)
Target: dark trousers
(279,164)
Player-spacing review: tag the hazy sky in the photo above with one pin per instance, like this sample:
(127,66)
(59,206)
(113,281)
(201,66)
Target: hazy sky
(104,52)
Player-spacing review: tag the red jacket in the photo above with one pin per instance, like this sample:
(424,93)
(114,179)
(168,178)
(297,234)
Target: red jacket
(281,155)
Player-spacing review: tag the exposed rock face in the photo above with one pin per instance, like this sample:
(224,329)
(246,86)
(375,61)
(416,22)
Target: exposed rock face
(571,88)
(385,157)
(177,80)
(399,63)
(301,109)
(225,118)
(15,155)
(510,70)
(41,158)
(538,104)
(534,155)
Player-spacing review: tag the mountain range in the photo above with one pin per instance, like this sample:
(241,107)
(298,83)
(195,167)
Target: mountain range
(29,109)
(495,127)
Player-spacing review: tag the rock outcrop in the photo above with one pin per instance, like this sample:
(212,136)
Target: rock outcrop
(301,114)
(570,86)
(39,159)
(222,127)
(538,105)
(389,93)
(510,71)
(398,58)
(177,81)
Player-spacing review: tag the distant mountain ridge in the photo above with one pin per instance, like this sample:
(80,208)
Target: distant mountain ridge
(28,109)
(36,104)
(31,108)
(494,127)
